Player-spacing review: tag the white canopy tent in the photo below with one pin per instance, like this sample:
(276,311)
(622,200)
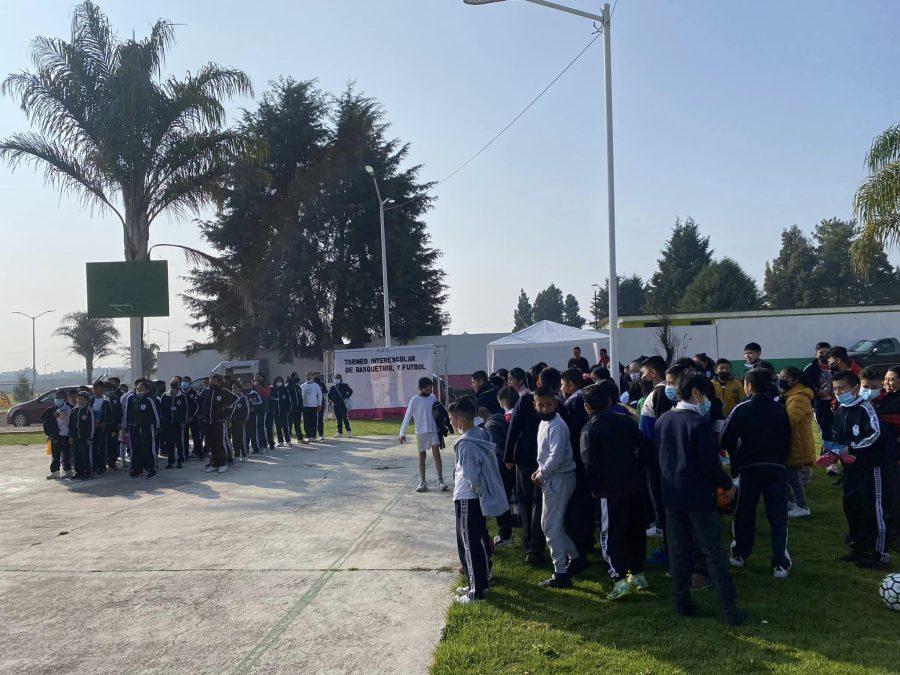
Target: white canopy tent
(544,341)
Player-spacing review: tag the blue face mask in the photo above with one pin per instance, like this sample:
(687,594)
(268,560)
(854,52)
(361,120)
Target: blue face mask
(705,406)
(869,394)
(185,386)
(671,392)
(58,402)
(846,398)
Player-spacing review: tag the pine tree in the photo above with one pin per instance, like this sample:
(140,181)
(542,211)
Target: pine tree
(684,256)
(721,286)
(548,305)
(632,298)
(789,279)
(524,315)
(572,312)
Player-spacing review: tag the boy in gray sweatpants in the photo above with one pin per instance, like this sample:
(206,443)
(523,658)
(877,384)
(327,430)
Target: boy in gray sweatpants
(556,477)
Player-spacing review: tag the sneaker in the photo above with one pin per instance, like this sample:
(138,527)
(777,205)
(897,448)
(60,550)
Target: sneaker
(734,616)
(737,561)
(654,532)
(53,475)
(873,562)
(169,466)
(152,474)
(422,486)
(658,557)
(500,542)
(179,465)
(210,469)
(467,599)
(638,582)
(620,590)
(70,474)
(558,580)
(699,582)
(243,460)
(132,474)
(577,565)
(350,434)
(828,461)
(442,485)
(338,436)
(534,559)
(280,445)
(780,572)
(222,469)
(688,608)
(852,557)
(799,512)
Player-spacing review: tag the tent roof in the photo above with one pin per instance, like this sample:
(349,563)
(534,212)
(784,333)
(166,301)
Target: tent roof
(548,333)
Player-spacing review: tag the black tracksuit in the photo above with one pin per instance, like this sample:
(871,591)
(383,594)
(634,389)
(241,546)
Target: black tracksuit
(81,435)
(192,425)
(142,420)
(102,418)
(338,395)
(219,401)
(521,450)
(320,416)
(240,416)
(580,512)
(487,398)
(857,426)
(173,410)
(113,428)
(60,447)
(614,454)
(498,428)
(824,411)
(296,414)
(757,437)
(280,404)
(256,418)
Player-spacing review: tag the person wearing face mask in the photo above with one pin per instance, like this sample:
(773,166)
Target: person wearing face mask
(798,396)
(221,402)
(280,405)
(728,389)
(339,395)
(497,425)
(192,425)
(240,414)
(172,416)
(757,437)
(818,372)
(115,423)
(691,474)
(256,415)
(56,427)
(857,432)
(142,420)
(81,434)
(102,414)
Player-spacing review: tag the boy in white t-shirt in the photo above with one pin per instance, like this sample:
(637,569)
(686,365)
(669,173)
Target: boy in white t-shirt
(420,411)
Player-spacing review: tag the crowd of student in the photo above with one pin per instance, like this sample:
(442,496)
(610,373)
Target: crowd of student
(662,452)
(94,430)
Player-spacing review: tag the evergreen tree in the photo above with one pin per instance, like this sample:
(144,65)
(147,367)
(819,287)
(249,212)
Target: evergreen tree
(685,254)
(548,305)
(523,316)
(303,243)
(572,312)
(632,298)
(720,286)
(789,280)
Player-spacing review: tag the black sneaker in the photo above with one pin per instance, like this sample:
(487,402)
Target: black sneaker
(734,616)
(577,565)
(132,474)
(169,466)
(152,474)
(872,562)
(557,581)
(534,558)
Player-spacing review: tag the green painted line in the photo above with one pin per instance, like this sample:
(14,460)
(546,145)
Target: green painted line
(250,661)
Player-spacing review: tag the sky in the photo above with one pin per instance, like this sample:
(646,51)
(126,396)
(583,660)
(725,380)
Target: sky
(748,117)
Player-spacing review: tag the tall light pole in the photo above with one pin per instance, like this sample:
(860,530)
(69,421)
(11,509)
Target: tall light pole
(168,335)
(605,20)
(384,279)
(33,347)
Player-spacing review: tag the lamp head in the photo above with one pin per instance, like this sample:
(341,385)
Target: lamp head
(370,170)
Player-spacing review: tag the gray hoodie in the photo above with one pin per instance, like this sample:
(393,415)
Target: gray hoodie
(476,463)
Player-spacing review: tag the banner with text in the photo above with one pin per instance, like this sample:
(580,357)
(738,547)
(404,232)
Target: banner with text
(386,377)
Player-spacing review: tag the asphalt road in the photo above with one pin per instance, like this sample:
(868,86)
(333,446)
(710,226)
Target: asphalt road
(306,560)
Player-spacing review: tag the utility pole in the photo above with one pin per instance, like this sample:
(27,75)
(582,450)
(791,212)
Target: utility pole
(33,348)
(384,276)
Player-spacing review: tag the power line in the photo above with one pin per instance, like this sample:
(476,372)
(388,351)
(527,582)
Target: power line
(511,123)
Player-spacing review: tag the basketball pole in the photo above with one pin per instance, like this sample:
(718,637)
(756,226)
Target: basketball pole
(136,337)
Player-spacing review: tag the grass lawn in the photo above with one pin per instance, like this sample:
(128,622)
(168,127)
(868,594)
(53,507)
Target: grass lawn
(827,617)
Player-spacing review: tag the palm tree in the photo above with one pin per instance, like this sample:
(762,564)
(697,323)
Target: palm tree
(877,201)
(116,134)
(91,338)
(149,358)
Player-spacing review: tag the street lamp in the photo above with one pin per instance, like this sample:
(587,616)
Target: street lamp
(33,347)
(168,335)
(604,20)
(384,279)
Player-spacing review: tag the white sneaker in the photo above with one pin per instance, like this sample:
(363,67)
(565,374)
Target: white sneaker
(799,512)
(737,562)
(422,486)
(338,436)
(654,531)
(780,572)
(243,460)
(279,445)
(466,599)
(53,475)
(350,434)
(442,485)
(462,590)
(500,542)
(211,469)
(222,469)
(70,474)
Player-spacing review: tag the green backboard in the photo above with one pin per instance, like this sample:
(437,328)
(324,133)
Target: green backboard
(124,289)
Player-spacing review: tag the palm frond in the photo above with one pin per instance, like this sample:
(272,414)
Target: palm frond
(885,149)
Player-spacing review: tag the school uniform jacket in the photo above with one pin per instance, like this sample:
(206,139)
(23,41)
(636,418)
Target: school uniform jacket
(757,434)
(338,394)
(193,402)
(254,400)
(293,391)
(105,415)
(141,412)
(241,411)
(173,409)
(280,400)
(521,440)
(51,425)
(614,452)
(220,402)
(81,424)
(857,426)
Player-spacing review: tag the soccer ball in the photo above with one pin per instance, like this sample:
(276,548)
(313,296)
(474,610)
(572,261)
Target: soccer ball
(890,591)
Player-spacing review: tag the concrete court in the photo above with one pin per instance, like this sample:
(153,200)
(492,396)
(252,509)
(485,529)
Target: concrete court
(304,560)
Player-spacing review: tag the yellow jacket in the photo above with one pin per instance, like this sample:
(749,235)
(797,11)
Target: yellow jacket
(798,401)
(731,393)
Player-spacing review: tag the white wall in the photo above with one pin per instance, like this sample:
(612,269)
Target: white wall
(200,364)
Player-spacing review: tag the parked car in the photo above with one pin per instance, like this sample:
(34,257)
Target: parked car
(880,353)
(30,412)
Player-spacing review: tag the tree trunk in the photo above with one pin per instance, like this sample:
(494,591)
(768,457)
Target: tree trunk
(137,235)
(89,368)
